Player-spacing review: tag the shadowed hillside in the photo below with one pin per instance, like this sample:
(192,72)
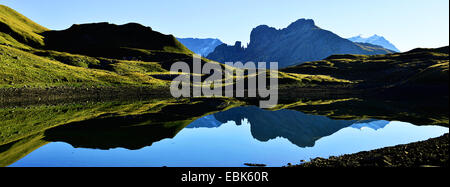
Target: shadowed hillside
(109,40)
(419,70)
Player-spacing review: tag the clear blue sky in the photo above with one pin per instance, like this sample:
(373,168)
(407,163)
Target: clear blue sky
(406,23)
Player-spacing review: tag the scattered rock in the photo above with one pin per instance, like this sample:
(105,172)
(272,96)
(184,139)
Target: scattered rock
(255,165)
(429,153)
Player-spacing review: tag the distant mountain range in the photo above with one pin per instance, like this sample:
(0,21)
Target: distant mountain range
(375,40)
(375,125)
(301,41)
(201,46)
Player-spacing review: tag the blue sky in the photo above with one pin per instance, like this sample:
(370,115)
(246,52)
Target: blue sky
(406,23)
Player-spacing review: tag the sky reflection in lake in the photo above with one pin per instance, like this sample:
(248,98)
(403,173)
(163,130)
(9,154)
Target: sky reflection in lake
(210,142)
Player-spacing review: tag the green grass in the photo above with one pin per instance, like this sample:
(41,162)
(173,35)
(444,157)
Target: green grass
(69,59)
(425,66)
(437,73)
(304,102)
(124,67)
(19,68)
(311,80)
(6,39)
(14,151)
(24,29)
(19,122)
(44,68)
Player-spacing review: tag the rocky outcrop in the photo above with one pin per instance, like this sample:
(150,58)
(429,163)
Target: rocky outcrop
(301,41)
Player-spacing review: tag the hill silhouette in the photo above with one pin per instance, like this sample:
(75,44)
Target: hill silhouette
(418,71)
(105,39)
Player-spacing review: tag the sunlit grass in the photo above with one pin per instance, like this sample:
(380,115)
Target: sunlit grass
(24,27)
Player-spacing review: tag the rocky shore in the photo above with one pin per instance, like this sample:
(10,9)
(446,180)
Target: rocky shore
(429,153)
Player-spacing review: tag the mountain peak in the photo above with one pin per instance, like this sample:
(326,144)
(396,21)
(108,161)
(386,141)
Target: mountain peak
(300,42)
(375,40)
(375,36)
(263,28)
(302,23)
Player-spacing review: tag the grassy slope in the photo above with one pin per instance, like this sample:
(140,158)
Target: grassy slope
(14,151)
(19,68)
(23,65)
(427,67)
(23,29)
(52,68)
(17,123)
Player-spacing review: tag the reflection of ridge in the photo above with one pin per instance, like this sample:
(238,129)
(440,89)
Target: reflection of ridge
(205,122)
(301,129)
(131,131)
(375,125)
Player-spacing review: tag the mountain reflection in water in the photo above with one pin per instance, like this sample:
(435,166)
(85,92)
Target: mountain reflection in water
(228,138)
(301,129)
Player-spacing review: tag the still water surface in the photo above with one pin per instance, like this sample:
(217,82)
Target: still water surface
(244,135)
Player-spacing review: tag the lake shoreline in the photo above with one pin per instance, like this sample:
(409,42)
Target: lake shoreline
(428,153)
(66,94)
(23,96)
